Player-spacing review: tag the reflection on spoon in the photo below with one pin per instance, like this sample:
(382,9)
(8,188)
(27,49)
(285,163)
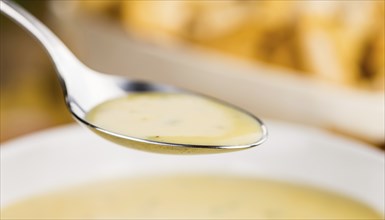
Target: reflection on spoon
(93,98)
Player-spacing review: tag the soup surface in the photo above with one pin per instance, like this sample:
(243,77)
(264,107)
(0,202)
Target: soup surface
(190,197)
(176,118)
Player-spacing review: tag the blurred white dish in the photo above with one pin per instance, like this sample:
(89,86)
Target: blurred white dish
(262,90)
(70,155)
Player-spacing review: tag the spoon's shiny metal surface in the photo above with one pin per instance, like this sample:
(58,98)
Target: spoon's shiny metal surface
(85,88)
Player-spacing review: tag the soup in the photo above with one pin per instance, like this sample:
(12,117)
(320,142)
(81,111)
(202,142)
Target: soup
(176,118)
(190,197)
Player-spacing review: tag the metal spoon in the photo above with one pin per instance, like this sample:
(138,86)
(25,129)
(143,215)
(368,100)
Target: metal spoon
(85,88)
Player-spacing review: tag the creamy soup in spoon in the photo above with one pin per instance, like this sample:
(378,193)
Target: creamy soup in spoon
(190,197)
(176,118)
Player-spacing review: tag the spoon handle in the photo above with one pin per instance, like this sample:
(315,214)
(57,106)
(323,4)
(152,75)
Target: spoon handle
(56,49)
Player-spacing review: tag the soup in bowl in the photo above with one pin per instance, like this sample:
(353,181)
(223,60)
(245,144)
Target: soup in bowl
(300,173)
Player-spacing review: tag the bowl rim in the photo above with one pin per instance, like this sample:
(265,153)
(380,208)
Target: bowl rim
(18,147)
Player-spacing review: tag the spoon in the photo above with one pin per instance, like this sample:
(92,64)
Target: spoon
(84,88)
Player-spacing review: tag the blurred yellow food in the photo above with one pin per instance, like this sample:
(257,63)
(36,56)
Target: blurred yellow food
(337,41)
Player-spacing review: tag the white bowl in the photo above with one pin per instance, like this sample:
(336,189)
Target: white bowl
(67,156)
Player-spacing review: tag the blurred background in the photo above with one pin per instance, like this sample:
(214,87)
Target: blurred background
(30,98)
(332,50)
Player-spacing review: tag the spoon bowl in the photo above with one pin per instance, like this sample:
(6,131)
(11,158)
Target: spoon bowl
(84,88)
